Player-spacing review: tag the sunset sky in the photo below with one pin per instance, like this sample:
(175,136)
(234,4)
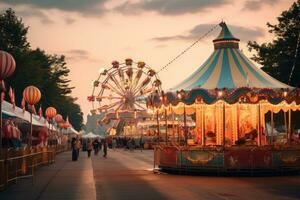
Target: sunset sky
(92,33)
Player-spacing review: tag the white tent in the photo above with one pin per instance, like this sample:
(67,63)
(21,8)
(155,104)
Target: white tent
(7,109)
(90,135)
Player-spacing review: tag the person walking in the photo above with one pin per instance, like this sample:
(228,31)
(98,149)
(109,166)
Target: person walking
(74,150)
(77,147)
(89,147)
(96,146)
(104,147)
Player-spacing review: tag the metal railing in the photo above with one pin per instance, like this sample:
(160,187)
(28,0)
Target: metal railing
(22,163)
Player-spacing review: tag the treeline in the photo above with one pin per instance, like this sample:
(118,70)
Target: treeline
(35,67)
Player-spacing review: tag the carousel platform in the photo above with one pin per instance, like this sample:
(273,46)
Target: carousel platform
(235,160)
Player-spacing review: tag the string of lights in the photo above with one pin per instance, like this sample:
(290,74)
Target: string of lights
(188,48)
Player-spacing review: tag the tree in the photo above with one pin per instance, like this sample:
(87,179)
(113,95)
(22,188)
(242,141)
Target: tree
(35,67)
(279,56)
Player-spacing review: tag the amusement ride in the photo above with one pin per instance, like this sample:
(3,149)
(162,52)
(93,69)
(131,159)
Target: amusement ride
(228,98)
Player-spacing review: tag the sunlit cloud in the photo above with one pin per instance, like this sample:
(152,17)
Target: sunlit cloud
(167,7)
(258,4)
(243,33)
(85,7)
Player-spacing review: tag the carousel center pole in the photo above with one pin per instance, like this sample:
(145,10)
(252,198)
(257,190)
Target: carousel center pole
(30,130)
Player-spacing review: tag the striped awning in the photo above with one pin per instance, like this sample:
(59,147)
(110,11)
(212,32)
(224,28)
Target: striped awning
(227,67)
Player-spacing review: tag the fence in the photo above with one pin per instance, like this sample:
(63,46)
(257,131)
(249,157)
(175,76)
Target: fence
(22,163)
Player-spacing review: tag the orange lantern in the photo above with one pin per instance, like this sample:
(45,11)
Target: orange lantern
(31,95)
(50,112)
(7,65)
(58,118)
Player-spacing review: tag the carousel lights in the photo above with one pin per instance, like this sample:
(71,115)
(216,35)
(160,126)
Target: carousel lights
(285,93)
(181,94)
(220,93)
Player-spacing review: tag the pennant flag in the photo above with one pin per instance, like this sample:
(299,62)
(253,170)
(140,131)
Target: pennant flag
(12,97)
(3,89)
(40,112)
(23,104)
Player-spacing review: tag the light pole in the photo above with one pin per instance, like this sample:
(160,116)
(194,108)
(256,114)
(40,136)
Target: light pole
(31,95)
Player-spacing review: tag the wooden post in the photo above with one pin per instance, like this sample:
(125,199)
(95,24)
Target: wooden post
(30,131)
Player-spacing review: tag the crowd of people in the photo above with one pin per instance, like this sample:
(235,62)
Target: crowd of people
(97,145)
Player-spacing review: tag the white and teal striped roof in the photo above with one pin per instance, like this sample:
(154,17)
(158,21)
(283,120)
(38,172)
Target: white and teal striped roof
(228,67)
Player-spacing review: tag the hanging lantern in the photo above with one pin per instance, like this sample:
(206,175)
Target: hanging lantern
(50,112)
(31,95)
(58,118)
(7,65)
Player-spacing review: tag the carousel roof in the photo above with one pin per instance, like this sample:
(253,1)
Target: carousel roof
(227,67)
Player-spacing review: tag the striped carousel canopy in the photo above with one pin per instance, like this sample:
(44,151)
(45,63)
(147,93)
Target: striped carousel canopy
(227,67)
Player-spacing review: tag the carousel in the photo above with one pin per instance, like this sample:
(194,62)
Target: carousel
(233,103)
(121,92)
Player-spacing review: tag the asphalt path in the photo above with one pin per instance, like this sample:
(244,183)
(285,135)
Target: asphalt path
(129,175)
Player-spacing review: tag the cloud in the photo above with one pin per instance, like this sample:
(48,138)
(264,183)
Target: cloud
(257,4)
(45,19)
(169,7)
(243,33)
(79,55)
(86,7)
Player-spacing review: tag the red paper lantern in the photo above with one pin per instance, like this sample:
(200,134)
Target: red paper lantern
(50,112)
(31,95)
(7,65)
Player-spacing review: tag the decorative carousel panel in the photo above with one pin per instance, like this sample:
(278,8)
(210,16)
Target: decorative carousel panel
(248,123)
(237,159)
(286,158)
(168,156)
(200,158)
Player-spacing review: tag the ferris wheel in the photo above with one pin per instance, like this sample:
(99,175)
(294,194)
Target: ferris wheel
(123,87)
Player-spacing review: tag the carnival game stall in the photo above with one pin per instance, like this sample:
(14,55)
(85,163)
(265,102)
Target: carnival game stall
(230,99)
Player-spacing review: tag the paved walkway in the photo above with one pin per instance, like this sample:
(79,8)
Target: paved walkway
(60,181)
(128,175)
